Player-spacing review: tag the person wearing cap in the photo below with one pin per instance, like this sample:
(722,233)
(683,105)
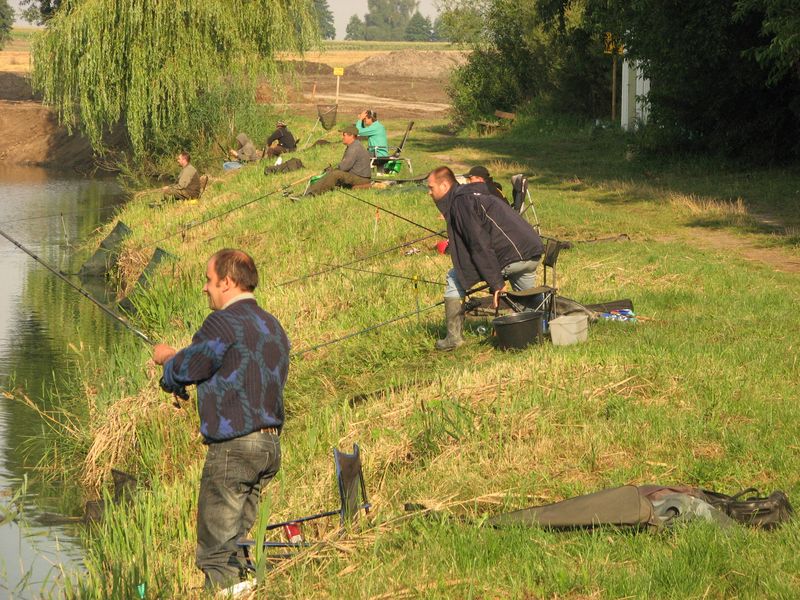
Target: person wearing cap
(480,174)
(369,127)
(489,241)
(284,138)
(354,168)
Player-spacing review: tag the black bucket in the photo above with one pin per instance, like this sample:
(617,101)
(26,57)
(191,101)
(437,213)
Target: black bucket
(517,331)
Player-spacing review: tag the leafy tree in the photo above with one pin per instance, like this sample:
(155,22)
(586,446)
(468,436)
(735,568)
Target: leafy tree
(438,34)
(419,29)
(166,71)
(327,29)
(6,22)
(39,11)
(724,74)
(355,29)
(462,21)
(781,22)
(387,19)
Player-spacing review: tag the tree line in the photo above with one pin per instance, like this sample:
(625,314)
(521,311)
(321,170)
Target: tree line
(725,74)
(394,20)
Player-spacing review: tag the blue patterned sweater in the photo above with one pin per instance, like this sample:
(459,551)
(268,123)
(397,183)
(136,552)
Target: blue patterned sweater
(239,360)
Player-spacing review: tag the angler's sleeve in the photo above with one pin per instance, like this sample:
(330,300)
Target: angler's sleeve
(349,158)
(199,361)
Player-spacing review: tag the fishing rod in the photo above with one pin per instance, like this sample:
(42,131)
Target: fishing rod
(439,233)
(80,290)
(353,262)
(61,214)
(382,324)
(415,279)
(192,225)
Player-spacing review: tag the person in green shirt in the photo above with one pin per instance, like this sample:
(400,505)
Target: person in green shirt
(368,126)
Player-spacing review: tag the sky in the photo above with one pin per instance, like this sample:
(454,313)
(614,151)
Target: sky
(342,11)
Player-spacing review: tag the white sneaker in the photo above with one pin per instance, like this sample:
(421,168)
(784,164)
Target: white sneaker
(279,161)
(237,590)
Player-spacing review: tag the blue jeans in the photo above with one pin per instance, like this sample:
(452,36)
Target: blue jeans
(521,275)
(227,505)
(231,165)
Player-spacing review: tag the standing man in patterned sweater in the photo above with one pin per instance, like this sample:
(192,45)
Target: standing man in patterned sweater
(239,360)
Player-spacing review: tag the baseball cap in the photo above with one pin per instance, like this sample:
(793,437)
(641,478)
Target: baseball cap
(479,171)
(351,129)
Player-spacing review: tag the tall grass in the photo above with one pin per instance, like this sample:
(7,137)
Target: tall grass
(701,391)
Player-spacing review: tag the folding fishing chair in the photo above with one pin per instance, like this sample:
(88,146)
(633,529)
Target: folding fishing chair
(541,297)
(326,116)
(352,496)
(391,165)
(522,197)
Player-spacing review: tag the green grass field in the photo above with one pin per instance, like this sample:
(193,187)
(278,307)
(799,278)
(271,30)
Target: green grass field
(702,391)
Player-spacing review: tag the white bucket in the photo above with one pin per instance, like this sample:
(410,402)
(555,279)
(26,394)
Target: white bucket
(569,329)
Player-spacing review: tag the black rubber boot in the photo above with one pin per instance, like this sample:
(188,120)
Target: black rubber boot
(454,314)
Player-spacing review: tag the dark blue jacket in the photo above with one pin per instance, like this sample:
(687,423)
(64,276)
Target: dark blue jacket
(486,234)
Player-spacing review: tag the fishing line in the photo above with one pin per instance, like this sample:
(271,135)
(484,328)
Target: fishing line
(53,216)
(394,214)
(80,290)
(415,279)
(382,324)
(192,225)
(353,262)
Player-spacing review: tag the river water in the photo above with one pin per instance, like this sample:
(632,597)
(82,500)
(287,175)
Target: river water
(40,316)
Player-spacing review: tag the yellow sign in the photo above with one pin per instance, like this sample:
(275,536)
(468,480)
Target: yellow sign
(338,71)
(610,45)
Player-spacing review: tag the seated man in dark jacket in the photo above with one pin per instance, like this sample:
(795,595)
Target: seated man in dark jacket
(488,242)
(352,170)
(284,138)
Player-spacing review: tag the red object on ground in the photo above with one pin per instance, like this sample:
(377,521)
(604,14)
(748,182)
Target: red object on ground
(442,246)
(293,533)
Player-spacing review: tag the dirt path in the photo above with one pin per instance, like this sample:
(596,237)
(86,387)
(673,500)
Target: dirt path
(744,246)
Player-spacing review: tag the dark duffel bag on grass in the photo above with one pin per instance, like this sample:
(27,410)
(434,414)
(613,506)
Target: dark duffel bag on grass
(293,164)
(766,513)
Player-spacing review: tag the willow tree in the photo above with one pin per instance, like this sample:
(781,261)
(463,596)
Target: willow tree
(161,70)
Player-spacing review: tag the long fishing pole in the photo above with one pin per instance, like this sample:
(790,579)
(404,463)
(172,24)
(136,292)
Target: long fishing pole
(352,262)
(396,276)
(80,290)
(192,225)
(382,324)
(394,214)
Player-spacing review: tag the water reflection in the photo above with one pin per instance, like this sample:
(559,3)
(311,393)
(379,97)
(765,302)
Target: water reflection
(40,316)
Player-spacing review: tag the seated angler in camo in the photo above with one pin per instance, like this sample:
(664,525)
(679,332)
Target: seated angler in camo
(188,185)
(354,168)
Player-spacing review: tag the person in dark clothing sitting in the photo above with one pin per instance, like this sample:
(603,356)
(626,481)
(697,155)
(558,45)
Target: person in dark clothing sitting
(284,138)
(480,174)
(489,242)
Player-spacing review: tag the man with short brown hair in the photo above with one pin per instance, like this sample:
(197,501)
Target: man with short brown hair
(239,360)
(188,185)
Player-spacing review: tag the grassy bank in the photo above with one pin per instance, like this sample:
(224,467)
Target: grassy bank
(701,391)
